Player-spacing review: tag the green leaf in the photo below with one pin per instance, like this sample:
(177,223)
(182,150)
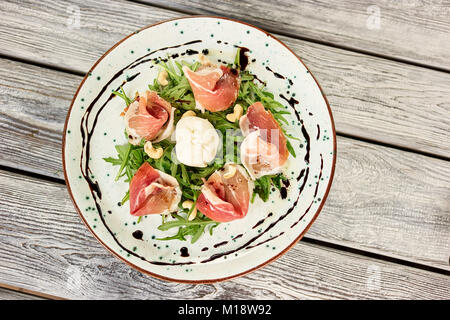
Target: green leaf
(198,233)
(125,198)
(122,94)
(124,160)
(290,148)
(113,161)
(237,61)
(178,223)
(212,228)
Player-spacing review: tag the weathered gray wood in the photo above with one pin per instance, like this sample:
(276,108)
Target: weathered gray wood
(388,201)
(46,247)
(8,294)
(416,31)
(372,98)
(382,200)
(33,104)
(381,100)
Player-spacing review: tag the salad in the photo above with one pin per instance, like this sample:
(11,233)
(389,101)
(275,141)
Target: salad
(203,141)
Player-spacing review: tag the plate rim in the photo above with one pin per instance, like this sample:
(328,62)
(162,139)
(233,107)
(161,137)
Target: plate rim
(206,281)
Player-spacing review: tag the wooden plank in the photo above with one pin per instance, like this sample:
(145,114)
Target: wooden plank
(46,247)
(8,294)
(396,29)
(372,98)
(33,104)
(374,203)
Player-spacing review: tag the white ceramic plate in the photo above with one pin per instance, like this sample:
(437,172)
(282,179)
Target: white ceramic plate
(93,127)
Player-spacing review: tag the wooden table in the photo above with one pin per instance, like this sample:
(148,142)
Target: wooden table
(384,232)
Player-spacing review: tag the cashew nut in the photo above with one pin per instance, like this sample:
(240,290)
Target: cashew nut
(188,205)
(188,113)
(205,61)
(152,152)
(237,113)
(230,172)
(162,78)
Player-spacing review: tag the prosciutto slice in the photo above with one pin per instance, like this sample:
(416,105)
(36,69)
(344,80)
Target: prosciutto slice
(215,88)
(264,149)
(150,117)
(226,199)
(153,191)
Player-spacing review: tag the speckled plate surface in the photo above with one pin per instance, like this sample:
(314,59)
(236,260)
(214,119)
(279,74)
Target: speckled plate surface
(93,127)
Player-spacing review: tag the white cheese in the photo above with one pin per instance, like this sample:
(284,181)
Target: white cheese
(197,141)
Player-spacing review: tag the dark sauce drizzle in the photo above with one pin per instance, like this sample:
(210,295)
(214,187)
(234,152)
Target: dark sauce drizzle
(220,244)
(86,136)
(238,236)
(243,57)
(304,180)
(283,192)
(262,242)
(276,74)
(292,102)
(318,132)
(303,215)
(320,175)
(138,234)
(261,221)
(307,139)
(315,193)
(184,252)
(141,60)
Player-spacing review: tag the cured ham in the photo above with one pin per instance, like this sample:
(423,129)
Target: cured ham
(264,149)
(226,198)
(215,88)
(150,117)
(153,191)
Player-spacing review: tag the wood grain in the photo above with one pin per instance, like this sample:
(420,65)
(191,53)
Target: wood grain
(404,26)
(7,294)
(46,247)
(372,98)
(373,205)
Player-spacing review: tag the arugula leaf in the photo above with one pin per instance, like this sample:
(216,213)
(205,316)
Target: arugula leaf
(237,61)
(113,161)
(124,158)
(290,148)
(263,185)
(122,94)
(198,233)
(125,198)
(177,223)
(194,228)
